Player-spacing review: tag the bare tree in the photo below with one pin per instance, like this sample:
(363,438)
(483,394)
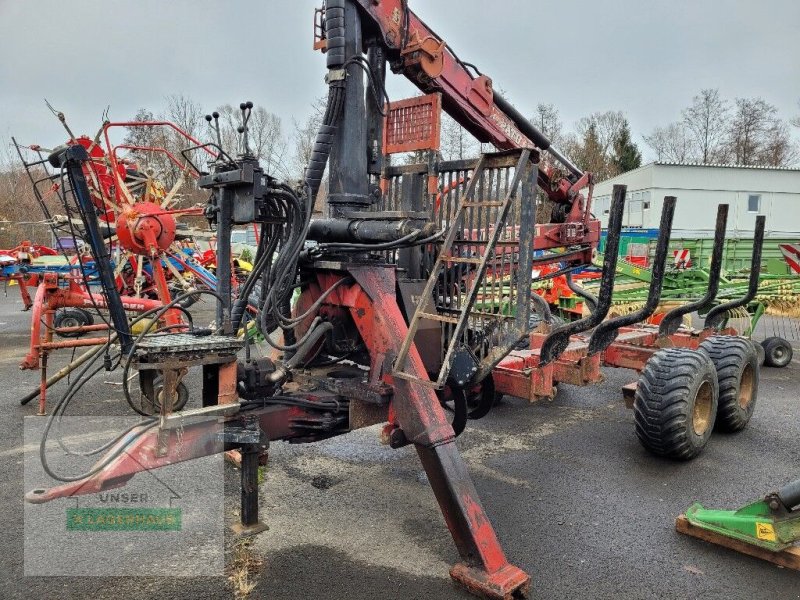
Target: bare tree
(777,149)
(303,137)
(265,137)
(21,217)
(670,143)
(796,120)
(706,121)
(456,142)
(144,137)
(185,113)
(749,129)
(546,119)
(267,140)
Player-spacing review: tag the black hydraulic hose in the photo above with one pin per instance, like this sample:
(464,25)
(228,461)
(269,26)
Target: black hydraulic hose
(334,32)
(335,59)
(266,247)
(307,343)
(281,277)
(320,300)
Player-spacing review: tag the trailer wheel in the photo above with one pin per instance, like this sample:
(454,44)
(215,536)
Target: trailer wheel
(72,317)
(760,353)
(155,402)
(676,403)
(777,352)
(736,362)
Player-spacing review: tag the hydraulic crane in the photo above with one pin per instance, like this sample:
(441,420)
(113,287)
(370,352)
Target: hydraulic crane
(354,267)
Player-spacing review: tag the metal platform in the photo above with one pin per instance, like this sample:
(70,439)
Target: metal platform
(188,344)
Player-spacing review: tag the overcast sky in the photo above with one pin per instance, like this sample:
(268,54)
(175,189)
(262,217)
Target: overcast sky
(644,57)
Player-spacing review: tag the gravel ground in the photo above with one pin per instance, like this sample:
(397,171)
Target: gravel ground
(575,500)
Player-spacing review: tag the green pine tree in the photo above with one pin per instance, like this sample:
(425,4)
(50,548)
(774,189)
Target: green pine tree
(626,155)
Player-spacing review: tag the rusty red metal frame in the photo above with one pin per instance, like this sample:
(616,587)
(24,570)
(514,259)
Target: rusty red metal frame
(50,297)
(155,150)
(521,375)
(413,124)
(129,124)
(415,416)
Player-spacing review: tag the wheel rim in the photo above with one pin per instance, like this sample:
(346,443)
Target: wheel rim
(701,415)
(778,354)
(746,387)
(69,322)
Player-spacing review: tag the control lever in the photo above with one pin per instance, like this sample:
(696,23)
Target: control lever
(247,111)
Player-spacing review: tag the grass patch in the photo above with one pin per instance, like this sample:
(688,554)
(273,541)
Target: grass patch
(244,565)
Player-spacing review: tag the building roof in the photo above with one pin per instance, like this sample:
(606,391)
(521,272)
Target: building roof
(720,165)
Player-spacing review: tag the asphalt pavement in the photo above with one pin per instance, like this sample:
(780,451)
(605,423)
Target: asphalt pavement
(574,498)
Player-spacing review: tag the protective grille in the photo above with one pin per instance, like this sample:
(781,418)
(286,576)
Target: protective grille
(413,124)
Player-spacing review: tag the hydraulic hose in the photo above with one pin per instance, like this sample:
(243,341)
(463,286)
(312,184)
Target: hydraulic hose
(285,272)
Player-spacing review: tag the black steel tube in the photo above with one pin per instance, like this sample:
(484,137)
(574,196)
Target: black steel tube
(672,320)
(716,316)
(362,230)
(607,331)
(249,475)
(223,271)
(533,134)
(73,159)
(348,183)
(790,494)
(555,344)
(376,55)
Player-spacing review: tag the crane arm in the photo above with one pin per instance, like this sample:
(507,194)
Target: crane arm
(417,52)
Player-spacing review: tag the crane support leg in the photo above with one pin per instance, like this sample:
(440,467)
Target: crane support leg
(419,418)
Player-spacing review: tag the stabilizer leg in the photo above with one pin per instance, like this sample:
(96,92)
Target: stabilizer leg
(484,570)
(420,419)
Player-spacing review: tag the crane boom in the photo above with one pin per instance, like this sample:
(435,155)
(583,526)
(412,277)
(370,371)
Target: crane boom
(425,58)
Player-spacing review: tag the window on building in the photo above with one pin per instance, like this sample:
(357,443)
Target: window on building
(753,203)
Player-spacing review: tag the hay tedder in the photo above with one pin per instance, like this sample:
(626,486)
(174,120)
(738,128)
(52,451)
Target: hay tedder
(136,217)
(415,291)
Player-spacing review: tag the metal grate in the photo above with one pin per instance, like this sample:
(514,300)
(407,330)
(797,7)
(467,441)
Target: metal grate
(186,342)
(478,287)
(413,124)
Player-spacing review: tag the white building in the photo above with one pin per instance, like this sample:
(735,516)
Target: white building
(750,191)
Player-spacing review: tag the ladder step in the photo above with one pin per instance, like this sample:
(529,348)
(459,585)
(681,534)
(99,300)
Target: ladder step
(475,260)
(424,382)
(484,242)
(480,204)
(435,317)
(474,314)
